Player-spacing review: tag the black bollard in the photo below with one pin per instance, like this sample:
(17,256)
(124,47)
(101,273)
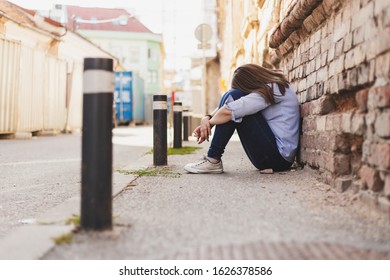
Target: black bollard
(160,150)
(186,115)
(177,124)
(96,182)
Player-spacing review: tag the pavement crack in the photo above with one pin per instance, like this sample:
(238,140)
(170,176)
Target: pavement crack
(128,187)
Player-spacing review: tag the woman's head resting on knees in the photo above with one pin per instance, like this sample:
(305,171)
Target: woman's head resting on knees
(250,78)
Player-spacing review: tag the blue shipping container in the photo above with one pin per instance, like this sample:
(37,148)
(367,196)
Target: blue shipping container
(123,96)
(129,97)
(138,99)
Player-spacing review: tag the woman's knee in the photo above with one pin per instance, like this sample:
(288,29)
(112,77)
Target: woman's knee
(234,93)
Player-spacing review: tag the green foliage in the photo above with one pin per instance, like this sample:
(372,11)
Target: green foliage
(183,150)
(75,219)
(63,239)
(186,150)
(151,171)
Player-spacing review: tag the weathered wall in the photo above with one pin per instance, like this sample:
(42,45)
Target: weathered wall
(339,61)
(337,56)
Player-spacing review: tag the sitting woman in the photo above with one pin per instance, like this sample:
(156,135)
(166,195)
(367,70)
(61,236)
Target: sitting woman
(264,109)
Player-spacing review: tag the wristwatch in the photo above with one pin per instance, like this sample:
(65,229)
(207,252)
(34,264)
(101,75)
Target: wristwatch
(210,116)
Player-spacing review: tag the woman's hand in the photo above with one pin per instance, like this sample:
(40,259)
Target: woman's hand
(203,131)
(205,128)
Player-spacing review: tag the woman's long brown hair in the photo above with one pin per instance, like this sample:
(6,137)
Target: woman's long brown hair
(254,78)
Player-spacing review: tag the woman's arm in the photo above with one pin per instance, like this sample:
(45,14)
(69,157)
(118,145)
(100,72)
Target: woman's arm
(220,116)
(223,115)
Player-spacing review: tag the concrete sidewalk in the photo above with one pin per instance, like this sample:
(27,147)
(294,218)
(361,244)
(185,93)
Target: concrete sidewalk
(240,214)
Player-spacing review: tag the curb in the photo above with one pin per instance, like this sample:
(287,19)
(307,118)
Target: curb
(33,241)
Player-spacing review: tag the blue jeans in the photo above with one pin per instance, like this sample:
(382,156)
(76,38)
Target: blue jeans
(256,138)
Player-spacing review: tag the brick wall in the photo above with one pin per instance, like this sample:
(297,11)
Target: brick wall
(337,56)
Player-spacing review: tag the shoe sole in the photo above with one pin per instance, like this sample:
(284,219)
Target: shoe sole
(197,171)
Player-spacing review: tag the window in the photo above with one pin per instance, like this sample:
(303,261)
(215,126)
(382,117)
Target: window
(152,77)
(152,54)
(134,54)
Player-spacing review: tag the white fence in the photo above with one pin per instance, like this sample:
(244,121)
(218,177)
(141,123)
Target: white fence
(32,89)
(9,76)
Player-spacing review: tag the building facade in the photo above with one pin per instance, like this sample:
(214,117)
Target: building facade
(41,86)
(138,49)
(337,56)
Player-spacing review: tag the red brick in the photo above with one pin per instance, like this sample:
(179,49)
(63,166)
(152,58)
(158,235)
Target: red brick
(358,124)
(295,38)
(347,42)
(333,122)
(358,36)
(307,141)
(370,124)
(356,162)
(341,164)
(324,105)
(383,41)
(366,150)
(310,157)
(331,142)
(309,124)
(361,98)
(330,5)
(370,178)
(380,6)
(306,109)
(310,23)
(382,124)
(319,14)
(341,30)
(380,155)
(363,74)
(362,16)
(384,17)
(320,123)
(381,97)
(342,143)
(382,66)
(338,164)
(387,186)
(342,184)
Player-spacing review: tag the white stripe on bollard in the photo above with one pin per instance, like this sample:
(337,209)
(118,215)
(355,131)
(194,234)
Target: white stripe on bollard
(160,105)
(177,108)
(98,81)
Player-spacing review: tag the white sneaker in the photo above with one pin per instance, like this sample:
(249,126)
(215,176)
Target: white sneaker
(204,166)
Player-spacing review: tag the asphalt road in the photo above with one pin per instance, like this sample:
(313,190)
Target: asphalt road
(41,173)
(239,214)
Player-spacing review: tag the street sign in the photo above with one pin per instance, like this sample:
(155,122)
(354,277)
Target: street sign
(204,46)
(203,33)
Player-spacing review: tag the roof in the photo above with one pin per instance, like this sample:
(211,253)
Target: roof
(28,18)
(15,12)
(101,14)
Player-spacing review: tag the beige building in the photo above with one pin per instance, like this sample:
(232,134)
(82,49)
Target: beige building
(336,55)
(41,72)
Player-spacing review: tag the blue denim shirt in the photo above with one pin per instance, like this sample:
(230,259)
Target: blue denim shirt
(282,117)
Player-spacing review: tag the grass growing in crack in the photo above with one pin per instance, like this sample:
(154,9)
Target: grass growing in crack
(63,239)
(186,150)
(152,171)
(75,220)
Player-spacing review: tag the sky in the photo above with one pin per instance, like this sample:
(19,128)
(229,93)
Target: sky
(175,19)
(149,11)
